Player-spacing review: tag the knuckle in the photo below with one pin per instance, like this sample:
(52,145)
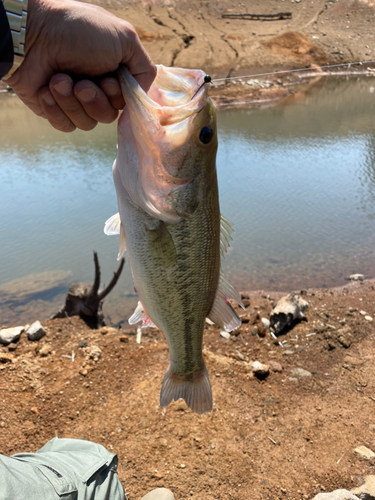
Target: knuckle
(87,126)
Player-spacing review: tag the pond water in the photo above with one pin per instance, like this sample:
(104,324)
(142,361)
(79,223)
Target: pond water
(296,179)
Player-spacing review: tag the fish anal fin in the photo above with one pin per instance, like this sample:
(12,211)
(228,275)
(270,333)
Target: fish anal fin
(222,312)
(196,392)
(139,315)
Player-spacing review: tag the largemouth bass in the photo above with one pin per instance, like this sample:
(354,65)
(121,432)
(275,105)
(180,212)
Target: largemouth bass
(169,222)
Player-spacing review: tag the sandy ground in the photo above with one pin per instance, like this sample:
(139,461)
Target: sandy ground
(287,436)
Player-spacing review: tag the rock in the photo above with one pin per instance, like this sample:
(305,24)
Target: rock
(288,352)
(94,352)
(287,309)
(124,339)
(356,277)
(83,372)
(301,372)
(352,360)
(363,313)
(255,331)
(368,318)
(239,356)
(159,494)
(344,336)
(36,331)
(9,335)
(5,357)
(260,369)
(336,495)
(262,331)
(265,323)
(82,344)
(45,350)
(224,334)
(12,347)
(364,453)
(367,490)
(250,318)
(275,366)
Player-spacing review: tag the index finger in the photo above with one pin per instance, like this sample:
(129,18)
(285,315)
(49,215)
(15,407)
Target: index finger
(136,58)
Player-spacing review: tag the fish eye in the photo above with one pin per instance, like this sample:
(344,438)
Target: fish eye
(206,134)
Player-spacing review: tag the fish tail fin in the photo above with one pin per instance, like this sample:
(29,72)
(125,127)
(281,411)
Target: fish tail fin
(196,392)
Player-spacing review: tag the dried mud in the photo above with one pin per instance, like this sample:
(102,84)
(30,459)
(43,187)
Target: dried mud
(285,436)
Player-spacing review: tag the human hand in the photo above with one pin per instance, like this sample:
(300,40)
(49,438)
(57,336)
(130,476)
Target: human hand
(70,49)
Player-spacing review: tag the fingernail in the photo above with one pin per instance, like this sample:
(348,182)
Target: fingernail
(48,98)
(111,89)
(86,95)
(64,87)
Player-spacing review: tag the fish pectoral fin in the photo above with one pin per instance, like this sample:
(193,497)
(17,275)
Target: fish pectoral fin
(112,225)
(196,391)
(163,247)
(139,315)
(122,246)
(226,229)
(222,313)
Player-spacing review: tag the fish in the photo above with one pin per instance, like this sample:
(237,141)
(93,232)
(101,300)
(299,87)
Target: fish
(170,224)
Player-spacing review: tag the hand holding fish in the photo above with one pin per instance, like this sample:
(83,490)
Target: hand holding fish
(66,37)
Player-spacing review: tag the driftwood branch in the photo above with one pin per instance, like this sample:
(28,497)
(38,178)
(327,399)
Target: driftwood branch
(84,299)
(280,16)
(113,281)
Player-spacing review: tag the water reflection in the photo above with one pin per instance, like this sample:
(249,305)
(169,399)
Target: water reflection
(296,179)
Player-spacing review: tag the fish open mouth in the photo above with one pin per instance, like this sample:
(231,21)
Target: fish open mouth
(156,131)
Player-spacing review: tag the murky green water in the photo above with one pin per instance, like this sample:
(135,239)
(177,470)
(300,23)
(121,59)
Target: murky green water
(298,181)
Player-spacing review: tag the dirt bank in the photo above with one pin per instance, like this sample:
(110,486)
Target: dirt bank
(287,436)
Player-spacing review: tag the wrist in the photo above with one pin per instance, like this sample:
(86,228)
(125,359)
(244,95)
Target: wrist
(16,11)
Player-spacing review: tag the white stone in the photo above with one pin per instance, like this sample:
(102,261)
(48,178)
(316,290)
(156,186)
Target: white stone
(224,334)
(9,335)
(364,452)
(368,318)
(364,313)
(301,372)
(36,331)
(159,494)
(259,368)
(367,490)
(336,495)
(265,322)
(287,309)
(356,277)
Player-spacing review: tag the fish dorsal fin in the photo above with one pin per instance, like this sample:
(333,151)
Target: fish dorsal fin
(139,315)
(112,225)
(226,230)
(222,313)
(122,246)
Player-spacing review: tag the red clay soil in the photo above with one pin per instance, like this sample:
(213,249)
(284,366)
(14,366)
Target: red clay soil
(287,436)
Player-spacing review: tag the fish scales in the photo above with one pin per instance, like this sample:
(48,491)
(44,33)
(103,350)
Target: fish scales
(167,192)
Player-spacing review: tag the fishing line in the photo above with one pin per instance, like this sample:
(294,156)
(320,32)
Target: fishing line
(290,71)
